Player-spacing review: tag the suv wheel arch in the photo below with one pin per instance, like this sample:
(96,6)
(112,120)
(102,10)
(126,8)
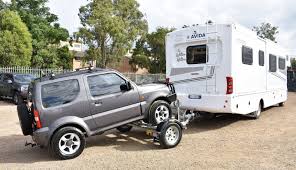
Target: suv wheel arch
(82,129)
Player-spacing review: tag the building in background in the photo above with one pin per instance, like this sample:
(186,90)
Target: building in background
(78,51)
(125,67)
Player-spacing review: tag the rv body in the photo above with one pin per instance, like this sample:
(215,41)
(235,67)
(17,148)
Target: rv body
(225,68)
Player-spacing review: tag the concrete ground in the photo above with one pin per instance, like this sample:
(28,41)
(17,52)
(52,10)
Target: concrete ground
(226,142)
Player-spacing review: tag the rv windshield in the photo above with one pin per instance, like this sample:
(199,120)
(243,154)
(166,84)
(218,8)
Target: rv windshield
(197,54)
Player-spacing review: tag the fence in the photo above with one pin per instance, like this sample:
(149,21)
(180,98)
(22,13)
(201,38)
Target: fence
(137,78)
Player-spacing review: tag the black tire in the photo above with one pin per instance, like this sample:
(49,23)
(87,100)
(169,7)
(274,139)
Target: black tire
(282,104)
(25,119)
(165,114)
(171,141)
(257,114)
(57,140)
(17,98)
(124,128)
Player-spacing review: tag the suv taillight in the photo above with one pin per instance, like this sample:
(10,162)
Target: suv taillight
(37,119)
(229,84)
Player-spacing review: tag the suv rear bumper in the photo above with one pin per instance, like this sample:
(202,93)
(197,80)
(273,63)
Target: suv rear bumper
(41,136)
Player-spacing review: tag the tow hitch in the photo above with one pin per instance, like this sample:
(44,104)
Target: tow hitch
(30,144)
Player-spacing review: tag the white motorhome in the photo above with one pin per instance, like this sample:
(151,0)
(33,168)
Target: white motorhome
(226,68)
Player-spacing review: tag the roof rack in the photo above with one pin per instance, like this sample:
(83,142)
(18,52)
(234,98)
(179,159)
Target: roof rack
(89,68)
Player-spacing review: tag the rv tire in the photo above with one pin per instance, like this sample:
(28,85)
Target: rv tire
(257,113)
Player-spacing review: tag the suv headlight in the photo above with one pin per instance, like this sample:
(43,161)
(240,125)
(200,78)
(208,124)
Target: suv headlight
(24,88)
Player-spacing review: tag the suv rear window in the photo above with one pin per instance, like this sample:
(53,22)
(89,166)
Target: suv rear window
(196,54)
(59,93)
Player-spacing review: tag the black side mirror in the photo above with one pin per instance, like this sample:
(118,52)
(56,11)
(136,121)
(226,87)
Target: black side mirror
(125,87)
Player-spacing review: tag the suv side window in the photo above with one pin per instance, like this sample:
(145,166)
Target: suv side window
(59,93)
(104,84)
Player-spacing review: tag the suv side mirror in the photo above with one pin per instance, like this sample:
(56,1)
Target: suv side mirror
(9,81)
(125,86)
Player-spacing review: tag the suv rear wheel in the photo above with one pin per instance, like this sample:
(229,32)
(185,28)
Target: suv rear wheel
(160,111)
(67,143)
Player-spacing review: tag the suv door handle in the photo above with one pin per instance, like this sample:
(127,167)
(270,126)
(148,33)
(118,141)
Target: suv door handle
(98,103)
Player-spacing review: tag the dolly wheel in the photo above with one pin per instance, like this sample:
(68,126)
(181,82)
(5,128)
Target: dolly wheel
(170,135)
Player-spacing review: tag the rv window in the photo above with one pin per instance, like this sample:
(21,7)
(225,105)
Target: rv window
(247,55)
(272,63)
(261,58)
(282,63)
(196,54)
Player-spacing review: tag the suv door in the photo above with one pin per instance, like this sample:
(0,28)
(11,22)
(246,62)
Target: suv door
(108,104)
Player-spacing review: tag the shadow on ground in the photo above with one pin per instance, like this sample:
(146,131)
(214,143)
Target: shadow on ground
(14,151)
(6,102)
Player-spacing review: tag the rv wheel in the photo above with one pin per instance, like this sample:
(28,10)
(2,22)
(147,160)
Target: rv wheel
(257,113)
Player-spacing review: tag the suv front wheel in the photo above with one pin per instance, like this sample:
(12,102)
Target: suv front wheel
(160,111)
(67,143)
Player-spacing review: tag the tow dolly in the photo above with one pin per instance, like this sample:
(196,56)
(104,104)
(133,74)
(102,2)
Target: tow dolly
(168,133)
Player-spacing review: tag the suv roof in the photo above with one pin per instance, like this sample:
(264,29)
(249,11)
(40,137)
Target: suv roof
(73,73)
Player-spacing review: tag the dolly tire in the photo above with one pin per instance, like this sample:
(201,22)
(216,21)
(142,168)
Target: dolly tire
(170,135)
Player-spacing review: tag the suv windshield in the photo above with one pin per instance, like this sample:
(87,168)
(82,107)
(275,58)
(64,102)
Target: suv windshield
(23,78)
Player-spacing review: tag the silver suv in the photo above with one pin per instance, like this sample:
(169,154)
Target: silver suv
(64,109)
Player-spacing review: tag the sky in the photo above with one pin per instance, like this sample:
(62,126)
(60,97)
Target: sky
(176,13)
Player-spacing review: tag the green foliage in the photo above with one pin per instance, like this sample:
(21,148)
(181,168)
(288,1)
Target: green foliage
(140,55)
(109,28)
(45,30)
(15,40)
(266,31)
(2,5)
(65,58)
(150,51)
(293,63)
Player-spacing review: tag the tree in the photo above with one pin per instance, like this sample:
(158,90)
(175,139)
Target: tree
(140,55)
(65,58)
(150,52)
(110,27)
(267,31)
(15,40)
(293,63)
(43,26)
(2,5)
